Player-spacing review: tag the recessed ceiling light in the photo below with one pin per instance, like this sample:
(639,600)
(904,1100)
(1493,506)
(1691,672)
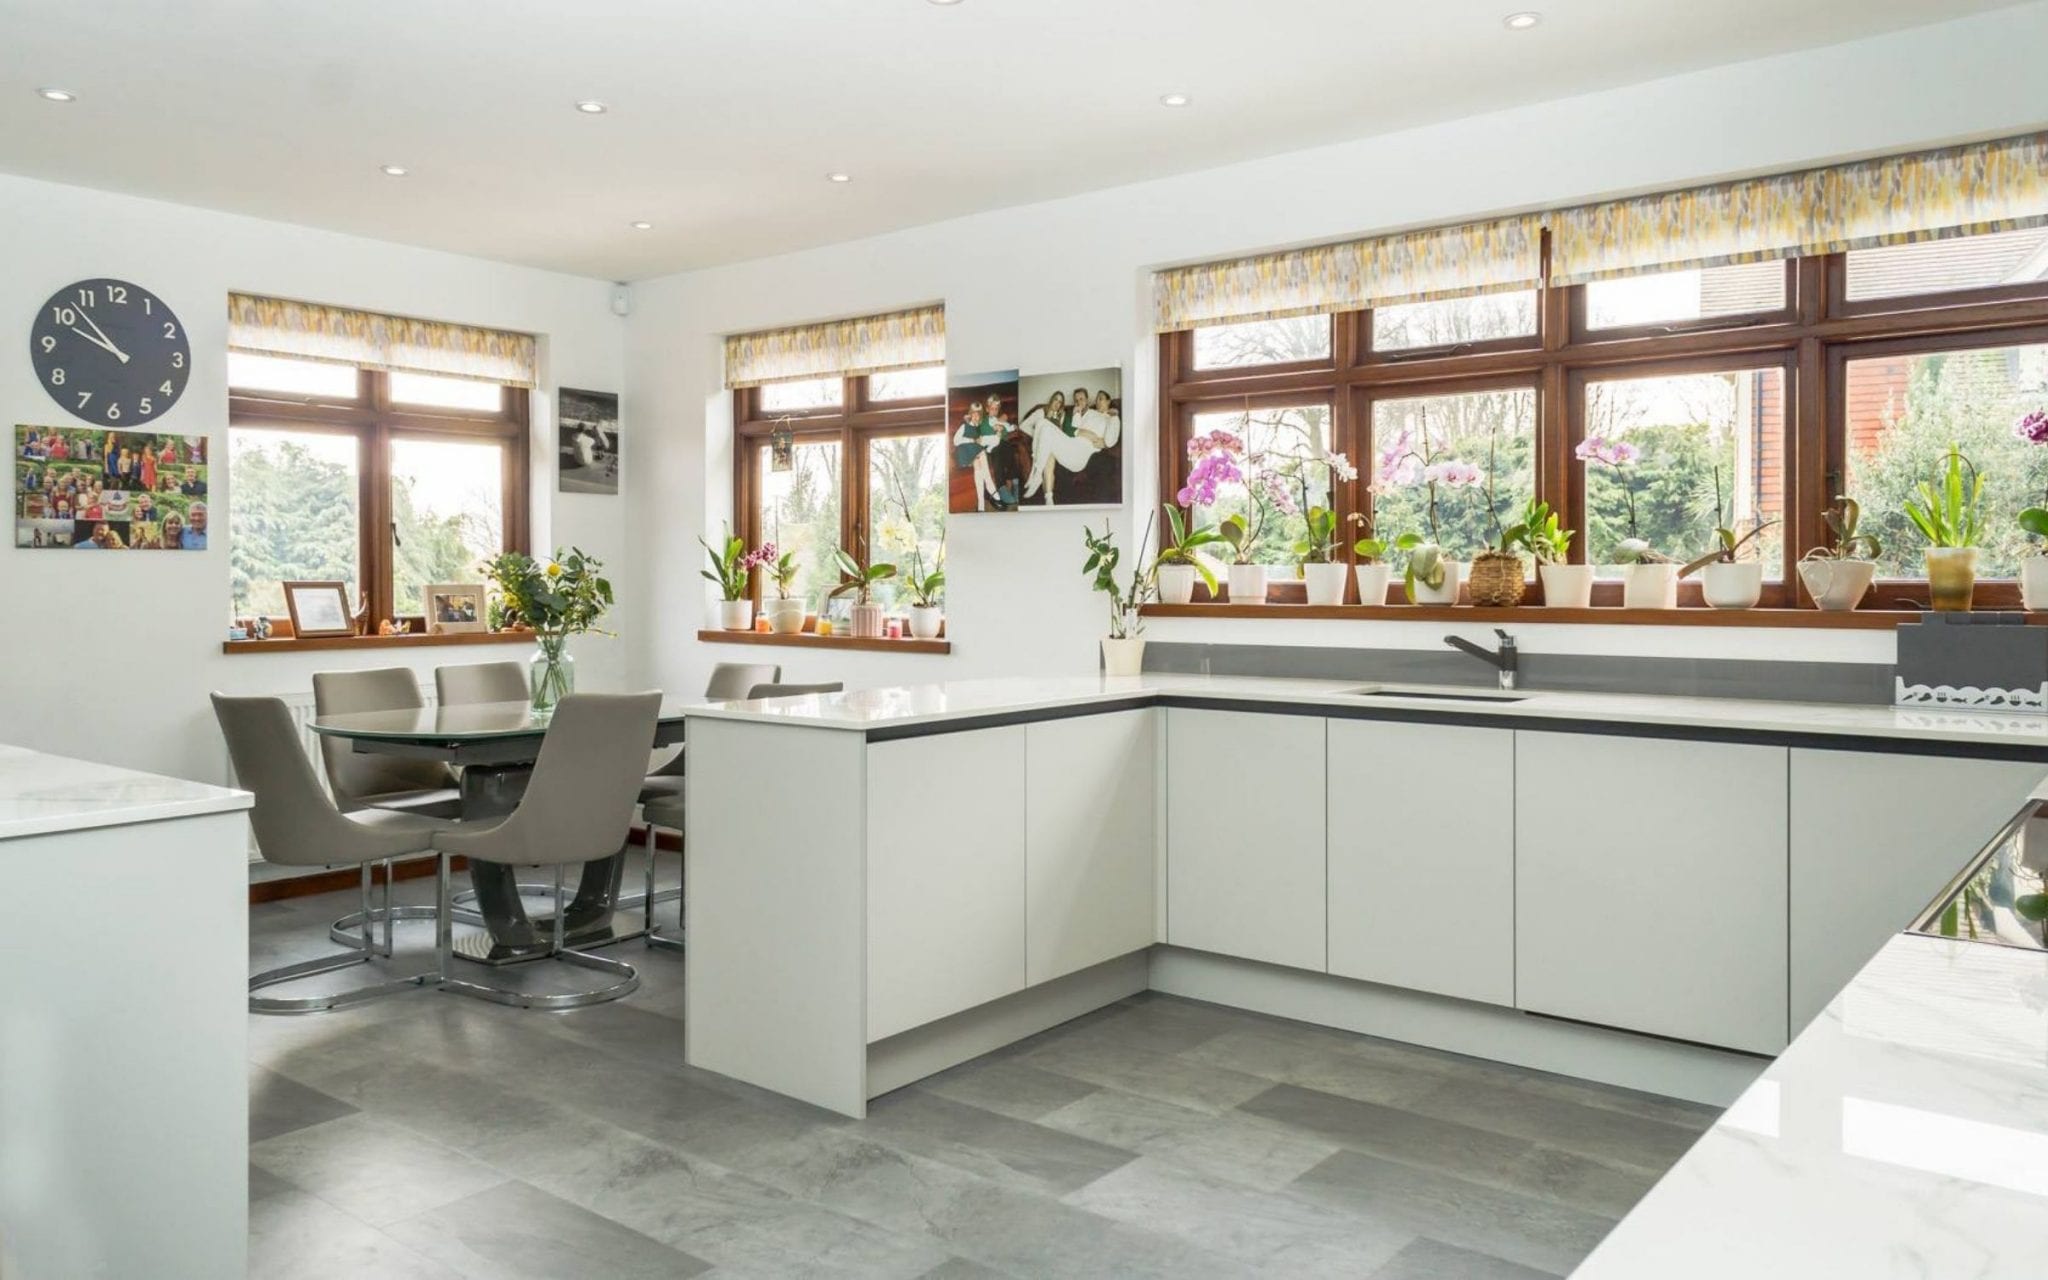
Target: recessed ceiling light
(642,226)
(592,107)
(1521,21)
(948,3)
(1174,100)
(395,171)
(57,95)
(839,177)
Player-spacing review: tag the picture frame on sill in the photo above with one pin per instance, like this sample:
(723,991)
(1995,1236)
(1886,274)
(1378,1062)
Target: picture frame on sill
(454,608)
(319,609)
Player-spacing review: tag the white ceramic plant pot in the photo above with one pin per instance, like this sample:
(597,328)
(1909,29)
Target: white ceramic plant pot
(1372,582)
(2034,582)
(926,621)
(1124,657)
(1650,586)
(1566,586)
(1176,583)
(867,622)
(1325,583)
(1837,585)
(736,615)
(1247,584)
(1445,592)
(1732,586)
(785,617)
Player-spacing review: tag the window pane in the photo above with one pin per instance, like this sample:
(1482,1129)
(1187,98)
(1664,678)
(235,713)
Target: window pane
(800,397)
(447,393)
(906,508)
(908,384)
(1698,441)
(1450,321)
(1673,297)
(294,515)
(1901,413)
(1276,444)
(800,512)
(1937,266)
(1234,346)
(292,377)
(1408,434)
(448,503)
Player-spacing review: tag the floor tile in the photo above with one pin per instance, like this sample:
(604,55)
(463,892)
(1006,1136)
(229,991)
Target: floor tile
(278,1105)
(516,1232)
(1013,1152)
(1433,1260)
(1015,1089)
(294,1235)
(1167,1077)
(1558,1122)
(371,1168)
(1426,1141)
(1233,1146)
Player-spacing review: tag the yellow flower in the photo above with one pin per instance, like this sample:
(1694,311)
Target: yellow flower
(554,570)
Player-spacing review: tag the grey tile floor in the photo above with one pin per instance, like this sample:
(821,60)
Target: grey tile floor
(428,1135)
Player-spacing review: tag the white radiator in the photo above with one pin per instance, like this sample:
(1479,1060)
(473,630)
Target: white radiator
(300,704)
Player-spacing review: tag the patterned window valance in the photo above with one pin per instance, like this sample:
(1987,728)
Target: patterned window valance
(1413,266)
(866,344)
(1928,195)
(337,335)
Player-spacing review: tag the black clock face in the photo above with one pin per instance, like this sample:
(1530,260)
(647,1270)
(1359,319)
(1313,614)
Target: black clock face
(110,352)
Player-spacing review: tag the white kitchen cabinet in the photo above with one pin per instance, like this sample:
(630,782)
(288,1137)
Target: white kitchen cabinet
(1245,855)
(1422,857)
(1651,885)
(1091,843)
(1874,838)
(945,849)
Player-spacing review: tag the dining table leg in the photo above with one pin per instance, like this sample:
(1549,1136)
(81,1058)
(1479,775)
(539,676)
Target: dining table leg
(511,936)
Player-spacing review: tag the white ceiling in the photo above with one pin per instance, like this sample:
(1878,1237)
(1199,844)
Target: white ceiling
(727,114)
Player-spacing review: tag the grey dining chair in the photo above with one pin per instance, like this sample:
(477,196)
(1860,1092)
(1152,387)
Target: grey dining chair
(761,691)
(474,682)
(361,781)
(577,808)
(297,825)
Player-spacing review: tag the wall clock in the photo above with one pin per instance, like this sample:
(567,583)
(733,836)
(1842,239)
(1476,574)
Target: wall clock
(110,352)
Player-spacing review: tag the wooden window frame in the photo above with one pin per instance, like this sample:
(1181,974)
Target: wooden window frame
(853,425)
(1811,340)
(375,420)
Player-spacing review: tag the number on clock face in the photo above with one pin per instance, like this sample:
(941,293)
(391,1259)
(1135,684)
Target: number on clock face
(110,352)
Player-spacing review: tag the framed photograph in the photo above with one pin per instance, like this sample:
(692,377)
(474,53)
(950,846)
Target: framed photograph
(319,609)
(454,607)
(587,434)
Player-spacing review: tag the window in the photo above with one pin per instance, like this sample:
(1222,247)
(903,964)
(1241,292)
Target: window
(1682,297)
(1945,266)
(865,468)
(385,481)
(1448,322)
(1408,433)
(1295,340)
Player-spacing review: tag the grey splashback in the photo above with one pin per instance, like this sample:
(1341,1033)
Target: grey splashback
(1858,682)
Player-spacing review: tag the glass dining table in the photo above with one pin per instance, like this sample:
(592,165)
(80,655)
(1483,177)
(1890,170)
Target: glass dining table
(493,746)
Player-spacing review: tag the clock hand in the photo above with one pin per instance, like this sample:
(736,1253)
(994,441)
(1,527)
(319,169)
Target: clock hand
(105,341)
(108,347)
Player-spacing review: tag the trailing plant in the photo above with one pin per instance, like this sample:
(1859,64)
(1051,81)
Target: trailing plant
(1948,515)
(1844,518)
(1125,620)
(860,576)
(1188,540)
(731,562)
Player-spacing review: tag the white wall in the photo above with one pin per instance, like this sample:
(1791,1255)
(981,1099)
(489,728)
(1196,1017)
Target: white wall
(1061,285)
(111,658)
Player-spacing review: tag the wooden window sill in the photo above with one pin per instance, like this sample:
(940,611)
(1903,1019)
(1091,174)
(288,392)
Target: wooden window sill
(809,640)
(1695,616)
(296,644)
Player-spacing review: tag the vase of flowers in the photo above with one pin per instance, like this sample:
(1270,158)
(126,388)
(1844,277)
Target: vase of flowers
(1123,649)
(565,596)
(861,578)
(785,613)
(1180,564)
(1947,515)
(1839,574)
(2034,568)
(732,567)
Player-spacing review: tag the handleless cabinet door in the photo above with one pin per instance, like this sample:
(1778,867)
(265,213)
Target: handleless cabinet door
(1245,853)
(1091,843)
(1651,885)
(945,850)
(1422,857)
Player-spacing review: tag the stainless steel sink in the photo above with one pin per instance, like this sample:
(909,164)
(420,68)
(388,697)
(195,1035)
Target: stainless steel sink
(1434,695)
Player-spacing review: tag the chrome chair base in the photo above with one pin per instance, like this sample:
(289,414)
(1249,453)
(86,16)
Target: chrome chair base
(444,946)
(364,947)
(656,940)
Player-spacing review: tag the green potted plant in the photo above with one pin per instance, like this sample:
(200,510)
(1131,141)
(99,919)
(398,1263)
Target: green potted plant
(1497,577)
(563,597)
(927,619)
(1123,649)
(1565,585)
(860,579)
(785,613)
(2034,568)
(1375,554)
(1727,581)
(731,565)
(1947,515)
(1180,564)
(1649,579)
(1316,552)
(1839,574)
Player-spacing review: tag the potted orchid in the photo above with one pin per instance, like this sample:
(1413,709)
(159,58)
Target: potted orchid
(1565,585)
(1123,649)
(731,568)
(1948,517)
(1729,581)
(1180,564)
(1218,461)
(861,578)
(1649,579)
(1316,550)
(785,613)
(927,619)
(1373,553)
(1839,574)
(1430,576)
(2034,569)
(1497,577)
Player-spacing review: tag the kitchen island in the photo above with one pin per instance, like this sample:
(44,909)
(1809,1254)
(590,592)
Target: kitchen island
(123,1063)
(1646,891)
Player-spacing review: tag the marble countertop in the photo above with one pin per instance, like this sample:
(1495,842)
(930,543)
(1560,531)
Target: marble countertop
(902,706)
(40,794)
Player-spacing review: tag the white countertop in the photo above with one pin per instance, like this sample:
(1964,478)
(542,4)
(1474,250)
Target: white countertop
(40,794)
(912,705)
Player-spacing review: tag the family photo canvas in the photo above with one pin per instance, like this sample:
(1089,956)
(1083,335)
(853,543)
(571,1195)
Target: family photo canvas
(1036,441)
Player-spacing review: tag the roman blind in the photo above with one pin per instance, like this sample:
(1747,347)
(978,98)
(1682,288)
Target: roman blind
(368,339)
(1926,195)
(833,348)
